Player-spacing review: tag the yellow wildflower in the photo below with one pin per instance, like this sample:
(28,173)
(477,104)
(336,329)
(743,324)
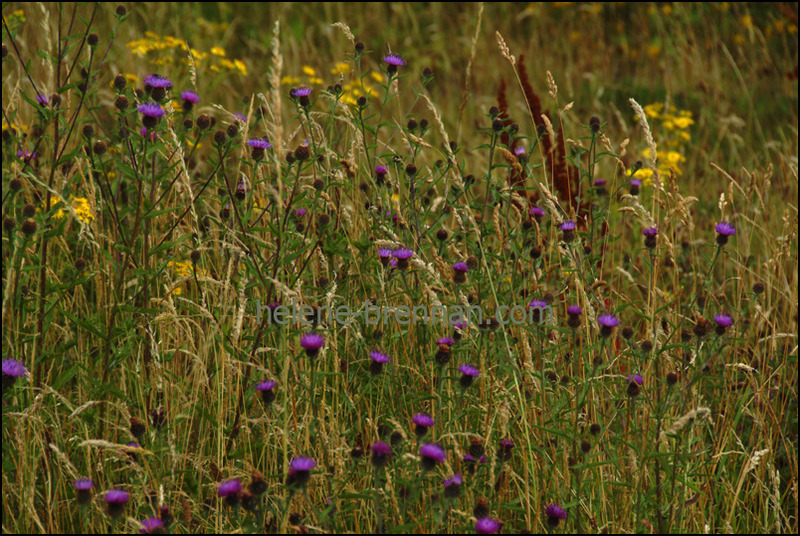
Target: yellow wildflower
(378,77)
(309,71)
(218,51)
(341,68)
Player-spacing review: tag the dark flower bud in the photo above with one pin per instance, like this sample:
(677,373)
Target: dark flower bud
(29,227)
(594,124)
(121,10)
(121,103)
(585,446)
(120,82)
(28,211)
(362,102)
(302,153)
(194,256)
(441,235)
(8,224)
(100,148)
(80,264)
(497,125)
(423,124)
(203,121)
(16,185)
(188,123)
(88,131)
(359,47)
(594,429)
(232,130)
(672,378)
(220,137)
(412,124)
(411,169)
(319,184)
(758,288)
(137,428)
(472,263)
(93,39)
(627,332)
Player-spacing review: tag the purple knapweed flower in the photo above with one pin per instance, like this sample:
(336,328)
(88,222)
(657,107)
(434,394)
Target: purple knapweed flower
(42,99)
(607,324)
(431,454)
(452,486)
(157,81)
(311,343)
(26,155)
(258,146)
(300,471)
(468,375)
(555,514)
(403,256)
(302,91)
(189,99)
(377,361)
(635,185)
(385,256)
(83,490)
(393,61)
(230,490)
(536,212)
(12,371)
(116,499)
(574,316)
(460,270)
(266,388)
(152,526)
(422,422)
(506,446)
(723,323)
(381,452)
(724,231)
(650,235)
(487,525)
(568,229)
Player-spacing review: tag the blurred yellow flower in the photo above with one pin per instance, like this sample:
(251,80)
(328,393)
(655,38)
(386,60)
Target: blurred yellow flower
(218,51)
(309,71)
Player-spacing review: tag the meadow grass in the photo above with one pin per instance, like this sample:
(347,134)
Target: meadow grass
(629,168)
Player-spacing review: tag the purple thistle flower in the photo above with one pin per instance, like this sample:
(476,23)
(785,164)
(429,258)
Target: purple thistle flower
(461,267)
(300,212)
(724,231)
(555,514)
(599,183)
(574,314)
(536,212)
(431,454)
(636,378)
(568,225)
(381,452)
(83,490)
(723,323)
(519,151)
(487,525)
(506,446)
(259,143)
(381,170)
(266,388)
(445,341)
(300,471)
(311,343)
(393,61)
(151,113)
(650,232)
(190,96)
(240,116)
(423,421)
(157,81)
(607,324)
(230,490)
(635,185)
(452,486)
(402,256)
(259,146)
(302,91)
(116,499)
(385,256)
(42,99)
(152,526)
(468,375)
(379,359)
(540,310)
(12,371)
(229,487)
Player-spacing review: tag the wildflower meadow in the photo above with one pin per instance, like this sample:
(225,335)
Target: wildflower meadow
(399,267)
